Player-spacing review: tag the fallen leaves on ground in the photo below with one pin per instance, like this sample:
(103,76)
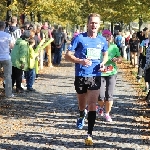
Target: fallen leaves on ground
(129,75)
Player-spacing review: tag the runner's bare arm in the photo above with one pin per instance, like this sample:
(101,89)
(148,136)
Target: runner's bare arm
(70,57)
(105,57)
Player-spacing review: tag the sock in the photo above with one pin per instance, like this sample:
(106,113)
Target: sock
(107,114)
(82,114)
(91,121)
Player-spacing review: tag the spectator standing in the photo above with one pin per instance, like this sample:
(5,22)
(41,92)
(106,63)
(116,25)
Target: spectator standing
(59,38)
(142,59)
(147,71)
(53,30)
(47,35)
(37,42)
(39,35)
(19,58)
(127,51)
(140,36)
(145,30)
(39,32)
(123,44)
(13,30)
(65,41)
(6,43)
(118,40)
(30,73)
(134,47)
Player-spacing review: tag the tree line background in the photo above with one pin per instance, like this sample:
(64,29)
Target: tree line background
(71,12)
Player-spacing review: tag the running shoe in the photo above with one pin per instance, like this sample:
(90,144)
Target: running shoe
(100,112)
(108,118)
(80,122)
(89,141)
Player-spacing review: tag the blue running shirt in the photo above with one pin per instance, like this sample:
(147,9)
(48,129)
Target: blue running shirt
(86,47)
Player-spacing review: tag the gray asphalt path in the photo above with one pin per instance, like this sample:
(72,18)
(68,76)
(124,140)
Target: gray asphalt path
(46,119)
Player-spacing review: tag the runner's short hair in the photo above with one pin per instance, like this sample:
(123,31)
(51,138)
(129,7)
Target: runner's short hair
(93,15)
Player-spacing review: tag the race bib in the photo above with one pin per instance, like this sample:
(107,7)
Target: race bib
(93,53)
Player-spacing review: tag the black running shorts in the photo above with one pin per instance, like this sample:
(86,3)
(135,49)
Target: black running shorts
(82,84)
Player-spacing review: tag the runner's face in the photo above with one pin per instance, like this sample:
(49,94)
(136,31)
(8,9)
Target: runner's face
(93,24)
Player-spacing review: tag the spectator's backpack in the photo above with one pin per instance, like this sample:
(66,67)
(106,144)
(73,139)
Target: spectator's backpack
(15,33)
(58,36)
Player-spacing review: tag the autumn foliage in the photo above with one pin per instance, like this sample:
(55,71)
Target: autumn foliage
(76,11)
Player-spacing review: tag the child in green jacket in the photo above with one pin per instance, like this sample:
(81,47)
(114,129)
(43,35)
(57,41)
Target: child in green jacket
(30,74)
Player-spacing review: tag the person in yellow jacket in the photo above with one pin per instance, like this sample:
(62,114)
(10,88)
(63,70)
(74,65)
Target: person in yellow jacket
(30,74)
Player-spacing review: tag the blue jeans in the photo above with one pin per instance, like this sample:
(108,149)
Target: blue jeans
(128,54)
(64,47)
(30,78)
(57,56)
(7,67)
